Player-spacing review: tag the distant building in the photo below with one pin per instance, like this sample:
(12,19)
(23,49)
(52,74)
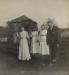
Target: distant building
(3,34)
(65,33)
(24,21)
(16,24)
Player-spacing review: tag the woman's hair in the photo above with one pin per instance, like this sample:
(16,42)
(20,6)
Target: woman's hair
(46,26)
(22,28)
(35,29)
(43,26)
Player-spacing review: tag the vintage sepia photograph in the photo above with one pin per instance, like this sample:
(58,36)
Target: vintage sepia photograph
(34,37)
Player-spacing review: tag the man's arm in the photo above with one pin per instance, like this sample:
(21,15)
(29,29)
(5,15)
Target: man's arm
(47,40)
(58,36)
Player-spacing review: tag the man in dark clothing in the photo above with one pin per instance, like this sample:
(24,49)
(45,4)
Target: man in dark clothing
(52,40)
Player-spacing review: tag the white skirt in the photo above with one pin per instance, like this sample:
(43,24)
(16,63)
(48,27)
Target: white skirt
(24,53)
(44,48)
(35,48)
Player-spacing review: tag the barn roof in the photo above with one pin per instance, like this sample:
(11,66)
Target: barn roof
(21,19)
(24,21)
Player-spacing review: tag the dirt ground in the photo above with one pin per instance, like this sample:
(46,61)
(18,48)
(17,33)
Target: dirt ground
(38,65)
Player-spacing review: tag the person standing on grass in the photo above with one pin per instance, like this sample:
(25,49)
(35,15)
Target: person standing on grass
(44,48)
(24,53)
(52,40)
(34,42)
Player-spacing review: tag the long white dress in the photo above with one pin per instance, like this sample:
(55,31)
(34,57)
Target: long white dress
(44,48)
(34,43)
(23,47)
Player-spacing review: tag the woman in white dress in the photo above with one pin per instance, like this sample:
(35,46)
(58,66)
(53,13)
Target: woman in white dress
(44,48)
(23,46)
(34,41)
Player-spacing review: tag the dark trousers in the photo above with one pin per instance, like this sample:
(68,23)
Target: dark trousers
(53,51)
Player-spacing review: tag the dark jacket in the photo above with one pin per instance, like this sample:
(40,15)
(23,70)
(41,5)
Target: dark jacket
(53,36)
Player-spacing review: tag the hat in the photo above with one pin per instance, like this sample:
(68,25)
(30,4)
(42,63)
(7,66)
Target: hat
(50,21)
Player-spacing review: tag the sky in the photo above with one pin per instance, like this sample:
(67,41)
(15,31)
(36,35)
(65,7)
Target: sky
(37,10)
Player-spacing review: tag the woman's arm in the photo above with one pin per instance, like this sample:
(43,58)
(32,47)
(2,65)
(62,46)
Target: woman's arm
(27,35)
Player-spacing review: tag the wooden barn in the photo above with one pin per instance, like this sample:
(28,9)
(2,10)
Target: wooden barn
(15,25)
(24,21)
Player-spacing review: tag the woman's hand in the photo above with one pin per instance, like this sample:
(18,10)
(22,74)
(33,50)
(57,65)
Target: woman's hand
(57,45)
